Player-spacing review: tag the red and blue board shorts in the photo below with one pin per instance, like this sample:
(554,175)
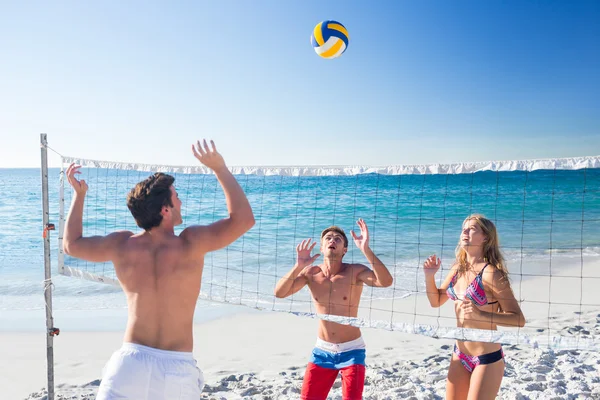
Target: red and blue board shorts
(330,359)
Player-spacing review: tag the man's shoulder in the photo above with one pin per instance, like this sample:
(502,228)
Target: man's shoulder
(355,268)
(194,233)
(311,270)
(121,236)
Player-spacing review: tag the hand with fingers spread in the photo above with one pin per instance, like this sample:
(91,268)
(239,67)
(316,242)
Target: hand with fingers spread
(470,310)
(431,265)
(80,186)
(303,250)
(209,156)
(362,241)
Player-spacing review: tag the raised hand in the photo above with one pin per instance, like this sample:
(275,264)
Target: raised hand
(303,250)
(80,187)
(431,265)
(207,156)
(362,241)
(470,310)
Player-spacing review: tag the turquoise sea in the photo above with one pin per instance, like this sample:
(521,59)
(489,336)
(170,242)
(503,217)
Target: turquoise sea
(539,215)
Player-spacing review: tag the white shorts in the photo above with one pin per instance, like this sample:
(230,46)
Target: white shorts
(136,372)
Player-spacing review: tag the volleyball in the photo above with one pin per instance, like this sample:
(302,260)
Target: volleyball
(329,39)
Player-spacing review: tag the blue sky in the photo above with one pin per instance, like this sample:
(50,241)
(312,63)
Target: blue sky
(421,81)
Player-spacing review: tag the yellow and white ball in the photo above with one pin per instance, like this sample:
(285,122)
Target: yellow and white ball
(330,39)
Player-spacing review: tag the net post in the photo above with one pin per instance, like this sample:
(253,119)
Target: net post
(47,226)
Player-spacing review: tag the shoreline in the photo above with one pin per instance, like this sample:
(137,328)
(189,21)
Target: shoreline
(113,319)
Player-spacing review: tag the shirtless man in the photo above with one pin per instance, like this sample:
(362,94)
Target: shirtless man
(160,274)
(336,288)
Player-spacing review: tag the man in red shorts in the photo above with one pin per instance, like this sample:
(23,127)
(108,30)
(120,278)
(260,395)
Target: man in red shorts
(336,288)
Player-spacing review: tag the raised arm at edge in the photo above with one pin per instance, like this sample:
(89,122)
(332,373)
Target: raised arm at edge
(379,275)
(94,248)
(291,282)
(225,231)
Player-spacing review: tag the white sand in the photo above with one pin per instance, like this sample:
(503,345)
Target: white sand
(269,363)
(262,355)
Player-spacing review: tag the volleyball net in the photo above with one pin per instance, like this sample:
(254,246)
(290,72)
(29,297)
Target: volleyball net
(547,213)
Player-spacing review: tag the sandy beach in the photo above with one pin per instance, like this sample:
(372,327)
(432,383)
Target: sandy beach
(269,363)
(262,355)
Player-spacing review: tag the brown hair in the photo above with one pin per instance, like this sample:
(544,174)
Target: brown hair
(491,247)
(148,197)
(336,229)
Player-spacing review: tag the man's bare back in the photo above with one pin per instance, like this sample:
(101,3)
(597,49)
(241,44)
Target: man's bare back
(161,274)
(161,278)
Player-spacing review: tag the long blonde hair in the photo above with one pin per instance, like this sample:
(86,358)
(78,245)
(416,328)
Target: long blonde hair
(491,247)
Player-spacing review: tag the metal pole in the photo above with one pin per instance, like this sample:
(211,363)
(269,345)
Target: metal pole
(50,330)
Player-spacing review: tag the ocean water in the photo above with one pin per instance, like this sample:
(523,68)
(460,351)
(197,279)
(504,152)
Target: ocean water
(541,216)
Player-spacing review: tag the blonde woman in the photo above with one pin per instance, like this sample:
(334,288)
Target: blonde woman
(483,299)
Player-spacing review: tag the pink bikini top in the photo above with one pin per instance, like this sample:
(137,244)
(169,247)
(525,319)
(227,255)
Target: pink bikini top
(475,291)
